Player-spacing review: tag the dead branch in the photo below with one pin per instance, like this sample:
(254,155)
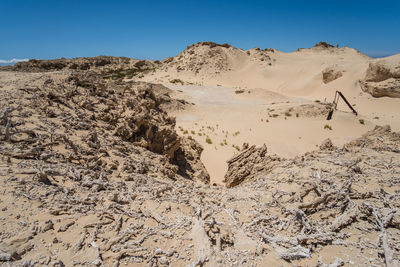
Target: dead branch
(345,219)
(390,262)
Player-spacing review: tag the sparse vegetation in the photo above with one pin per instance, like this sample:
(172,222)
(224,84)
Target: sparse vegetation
(185,132)
(275,115)
(175,81)
(297,115)
(193,132)
(210,44)
(236,147)
(121,73)
(208,140)
(361,121)
(288,114)
(240,91)
(324,44)
(327,126)
(236,133)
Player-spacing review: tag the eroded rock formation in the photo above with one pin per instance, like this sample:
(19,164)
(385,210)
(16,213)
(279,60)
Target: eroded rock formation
(250,162)
(383,77)
(330,74)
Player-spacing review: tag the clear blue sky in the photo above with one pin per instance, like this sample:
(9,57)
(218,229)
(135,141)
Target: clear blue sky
(151,29)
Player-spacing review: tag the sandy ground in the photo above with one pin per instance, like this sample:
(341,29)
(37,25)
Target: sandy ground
(292,79)
(230,120)
(75,192)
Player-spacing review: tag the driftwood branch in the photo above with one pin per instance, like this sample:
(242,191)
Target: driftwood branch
(389,260)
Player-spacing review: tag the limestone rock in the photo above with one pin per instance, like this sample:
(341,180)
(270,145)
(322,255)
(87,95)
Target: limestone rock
(249,163)
(327,145)
(187,157)
(383,77)
(330,74)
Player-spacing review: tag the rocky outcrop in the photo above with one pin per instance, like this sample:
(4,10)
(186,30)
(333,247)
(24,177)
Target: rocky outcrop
(383,77)
(187,158)
(93,116)
(116,66)
(327,145)
(210,44)
(323,45)
(250,162)
(208,58)
(389,88)
(330,74)
(381,138)
(317,109)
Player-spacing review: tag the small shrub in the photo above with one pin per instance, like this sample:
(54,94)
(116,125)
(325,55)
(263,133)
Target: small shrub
(297,115)
(288,114)
(174,81)
(376,118)
(327,126)
(361,121)
(208,140)
(193,132)
(185,132)
(236,133)
(199,134)
(317,101)
(275,115)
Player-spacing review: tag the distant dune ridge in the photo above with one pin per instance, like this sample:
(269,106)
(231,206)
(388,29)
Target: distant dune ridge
(210,63)
(225,64)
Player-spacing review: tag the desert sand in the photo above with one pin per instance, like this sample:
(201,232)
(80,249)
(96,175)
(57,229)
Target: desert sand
(215,157)
(272,82)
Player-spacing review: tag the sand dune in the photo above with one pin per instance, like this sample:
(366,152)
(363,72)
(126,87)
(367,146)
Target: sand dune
(239,91)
